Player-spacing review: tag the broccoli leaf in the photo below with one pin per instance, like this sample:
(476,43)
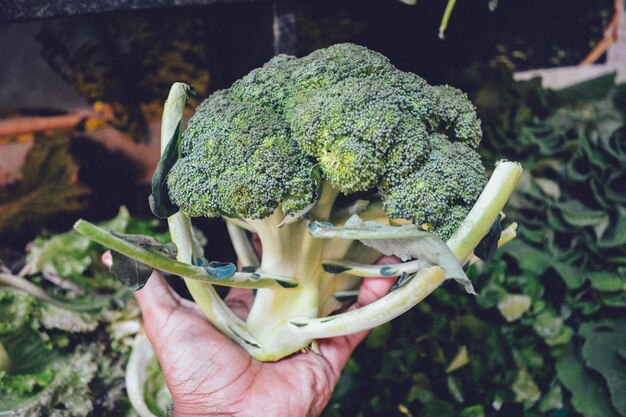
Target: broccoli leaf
(171,130)
(486,248)
(130,272)
(405,241)
(159,200)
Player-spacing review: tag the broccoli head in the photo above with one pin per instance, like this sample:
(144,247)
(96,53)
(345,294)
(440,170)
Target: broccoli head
(344,112)
(271,155)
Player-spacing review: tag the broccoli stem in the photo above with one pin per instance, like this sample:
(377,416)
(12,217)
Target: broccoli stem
(290,251)
(180,268)
(243,248)
(484,212)
(367,270)
(462,243)
(188,248)
(204,294)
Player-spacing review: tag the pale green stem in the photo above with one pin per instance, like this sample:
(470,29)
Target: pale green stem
(243,248)
(486,209)
(180,268)
(368,270)
(241,223)
(470,233)
(324,205)
(446,17)
(290,251)
(508,234)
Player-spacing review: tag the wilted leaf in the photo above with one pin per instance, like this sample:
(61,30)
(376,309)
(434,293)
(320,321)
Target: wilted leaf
(130,272)
(486,248)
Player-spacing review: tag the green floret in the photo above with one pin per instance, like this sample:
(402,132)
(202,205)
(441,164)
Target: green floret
(408,153)
(439,194)
(238,160)
(268,86)
(348,127)
(456,115)
(336,63)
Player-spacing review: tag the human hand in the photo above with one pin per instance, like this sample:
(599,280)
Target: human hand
(210,375)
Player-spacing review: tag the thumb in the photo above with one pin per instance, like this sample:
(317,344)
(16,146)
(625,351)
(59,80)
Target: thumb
(158,303)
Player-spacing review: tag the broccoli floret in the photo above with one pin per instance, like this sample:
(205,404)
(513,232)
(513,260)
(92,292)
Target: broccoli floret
(336,63)
(456,115)
(349,128)
(268,86)
(238,160)
(439,194)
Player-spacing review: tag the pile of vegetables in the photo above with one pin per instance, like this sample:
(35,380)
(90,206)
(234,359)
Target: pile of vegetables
(333,160)
(67,328)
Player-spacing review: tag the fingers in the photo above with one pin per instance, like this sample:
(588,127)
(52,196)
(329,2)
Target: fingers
(338,350)
(164,312)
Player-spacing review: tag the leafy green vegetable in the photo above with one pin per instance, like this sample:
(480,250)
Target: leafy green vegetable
(590,396)
(564,355)
(62,359)
(603,351)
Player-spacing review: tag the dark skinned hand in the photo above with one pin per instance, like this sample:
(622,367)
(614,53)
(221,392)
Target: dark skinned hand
(210,375)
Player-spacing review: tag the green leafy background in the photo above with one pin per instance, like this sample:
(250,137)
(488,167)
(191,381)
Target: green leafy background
(546,334)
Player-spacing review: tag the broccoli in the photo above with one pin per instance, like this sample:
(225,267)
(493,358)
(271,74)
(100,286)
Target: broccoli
(332,159)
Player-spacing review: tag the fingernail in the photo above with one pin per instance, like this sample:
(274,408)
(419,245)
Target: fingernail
(107,258)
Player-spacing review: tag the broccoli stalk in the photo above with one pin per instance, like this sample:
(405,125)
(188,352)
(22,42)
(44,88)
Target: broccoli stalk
(273,154)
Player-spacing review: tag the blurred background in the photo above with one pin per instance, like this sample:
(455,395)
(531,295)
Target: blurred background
(81,91)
